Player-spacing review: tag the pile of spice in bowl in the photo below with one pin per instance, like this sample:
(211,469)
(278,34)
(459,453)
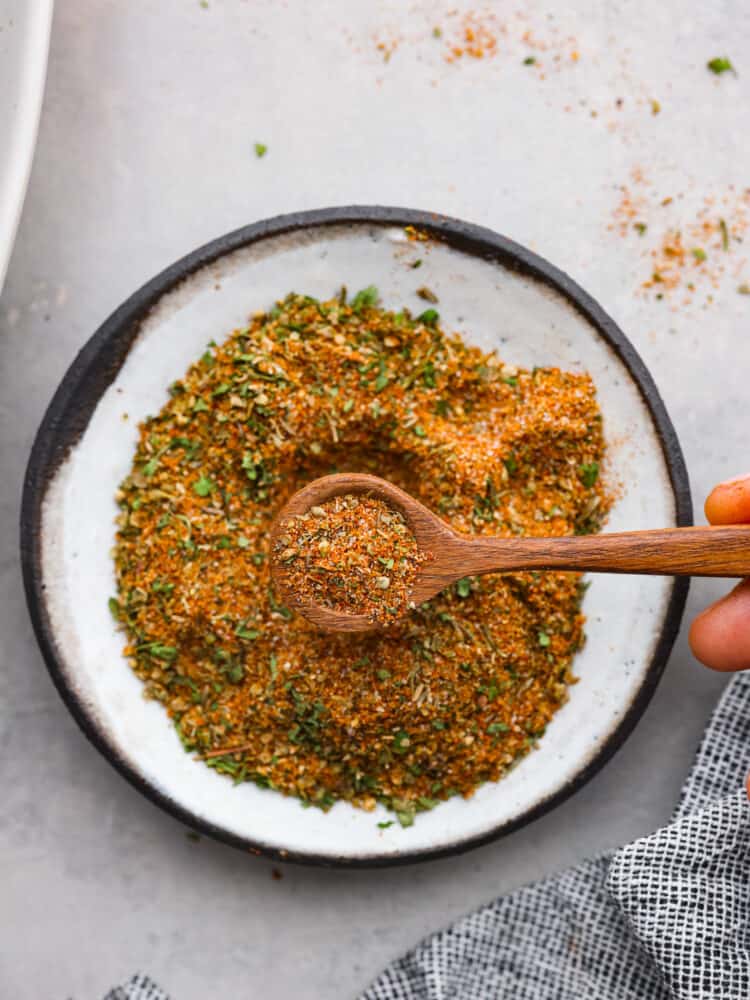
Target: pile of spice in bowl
(448,697)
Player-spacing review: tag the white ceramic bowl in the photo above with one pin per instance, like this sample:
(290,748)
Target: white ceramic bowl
(24,40)
(495,293)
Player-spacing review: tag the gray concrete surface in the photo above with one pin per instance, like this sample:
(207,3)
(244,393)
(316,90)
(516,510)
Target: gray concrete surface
(145,151)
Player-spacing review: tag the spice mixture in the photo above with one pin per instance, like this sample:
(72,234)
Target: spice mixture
(693,245)
(457,36)
(354,554)
(453,694)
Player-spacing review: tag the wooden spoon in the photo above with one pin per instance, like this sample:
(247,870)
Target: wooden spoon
(705,551)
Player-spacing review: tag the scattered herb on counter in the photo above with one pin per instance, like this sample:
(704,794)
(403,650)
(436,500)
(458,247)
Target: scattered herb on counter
(719,65)
(724,234)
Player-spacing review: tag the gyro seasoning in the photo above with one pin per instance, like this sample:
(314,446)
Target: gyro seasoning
(353,554)
(431,706)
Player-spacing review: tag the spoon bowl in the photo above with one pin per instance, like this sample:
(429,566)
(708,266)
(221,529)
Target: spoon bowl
(428,530)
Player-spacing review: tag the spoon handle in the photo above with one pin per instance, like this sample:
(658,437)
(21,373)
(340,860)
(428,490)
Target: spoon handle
(703,551)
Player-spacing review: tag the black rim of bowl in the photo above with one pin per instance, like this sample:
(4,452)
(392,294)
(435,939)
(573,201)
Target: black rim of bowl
(101,358)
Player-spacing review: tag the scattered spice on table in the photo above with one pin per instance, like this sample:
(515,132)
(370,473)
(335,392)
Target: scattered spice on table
(474,34)
(719,65)
(387,46)
(466,36)
(460,688)
(691,246)
(354,554)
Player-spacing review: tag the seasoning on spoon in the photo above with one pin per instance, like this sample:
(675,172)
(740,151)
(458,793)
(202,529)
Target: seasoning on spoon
(353,554)
(454,557)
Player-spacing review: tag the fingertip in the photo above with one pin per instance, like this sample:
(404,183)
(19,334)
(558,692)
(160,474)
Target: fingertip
(720,636)
(729,502)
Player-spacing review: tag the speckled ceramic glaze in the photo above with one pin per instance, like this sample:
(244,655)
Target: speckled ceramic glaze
(497,295)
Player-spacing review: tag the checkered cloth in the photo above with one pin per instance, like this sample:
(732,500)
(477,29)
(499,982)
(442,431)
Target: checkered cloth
(665,917)
(138,987)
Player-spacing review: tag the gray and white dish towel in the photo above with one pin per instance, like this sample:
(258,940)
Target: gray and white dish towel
(665,917)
